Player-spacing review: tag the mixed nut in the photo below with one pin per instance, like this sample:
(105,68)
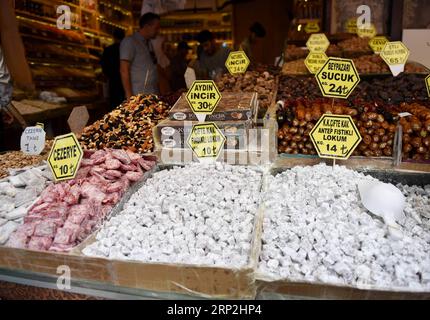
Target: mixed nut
(129,126)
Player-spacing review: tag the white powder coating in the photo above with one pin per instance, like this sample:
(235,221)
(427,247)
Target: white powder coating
(316,230)
(199,214)
(17,193)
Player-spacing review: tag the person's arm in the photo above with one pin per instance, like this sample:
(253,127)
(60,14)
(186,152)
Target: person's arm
(125,77)
(127,53)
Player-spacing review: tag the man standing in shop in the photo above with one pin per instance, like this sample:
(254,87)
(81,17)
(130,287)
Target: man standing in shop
(256,31)
(138,64)
(111,66)
(5,96)
(212,59)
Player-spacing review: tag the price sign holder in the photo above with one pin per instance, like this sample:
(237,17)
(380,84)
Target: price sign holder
(33,140)
(395,54)
(377,43)
(203,98)
(312,27)
(317,42)
(237,62)
(369,32)
(337,78)
(206,140)
(65,157)
(335,137)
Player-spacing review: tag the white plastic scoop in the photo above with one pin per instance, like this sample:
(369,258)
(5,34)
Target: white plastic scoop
(385,201)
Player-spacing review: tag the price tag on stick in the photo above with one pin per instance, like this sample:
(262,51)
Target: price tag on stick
(312,27)
(335,136)
(315,60)
(203,98)
(351,25)
(367,32)
(318,42)
(33,140)
(395,54)
(338,78)
(237,62)
(206,140)
(378,43)
(65,157)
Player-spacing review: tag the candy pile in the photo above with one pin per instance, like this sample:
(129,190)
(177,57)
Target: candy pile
(198,214)
(326,235)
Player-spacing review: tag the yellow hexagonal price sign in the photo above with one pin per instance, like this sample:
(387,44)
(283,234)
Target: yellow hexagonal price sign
(367,32)
(312,27)
(65,157)
(428,84)
(315,60)
(395,53)
(378,43)
(351,25)
(337,78)
(237,62)
(317,42)
(206,140)
(335,136)
(203,96)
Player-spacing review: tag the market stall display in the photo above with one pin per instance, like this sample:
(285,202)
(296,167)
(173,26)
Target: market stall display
(17,193)
(263,83)
(200,214)
(129,126)
(371,65)
(67,212)
(326,236)
(17,159)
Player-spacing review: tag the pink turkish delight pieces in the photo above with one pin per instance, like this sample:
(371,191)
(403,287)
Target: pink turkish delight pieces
(146,165)
(128,167)
(112,174)
(17,240)
(116,187)
(112,198)
(65,236)
(45,229)
(122,156)
(112,164)
(134,176)
(39,243)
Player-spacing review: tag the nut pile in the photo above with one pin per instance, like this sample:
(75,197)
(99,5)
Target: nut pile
(198,214)
(297,119)
(17,159)
(369,64)
(129,126)
(251,81)
(383,90)
(355,47)
(416,132)
(326,235)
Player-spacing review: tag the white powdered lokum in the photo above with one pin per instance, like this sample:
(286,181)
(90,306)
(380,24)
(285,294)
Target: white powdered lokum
(316,229)
(197,214)
(17,193)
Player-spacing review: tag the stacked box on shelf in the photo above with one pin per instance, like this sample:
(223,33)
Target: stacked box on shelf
(234,115)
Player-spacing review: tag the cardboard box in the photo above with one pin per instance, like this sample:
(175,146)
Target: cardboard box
(232,107)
